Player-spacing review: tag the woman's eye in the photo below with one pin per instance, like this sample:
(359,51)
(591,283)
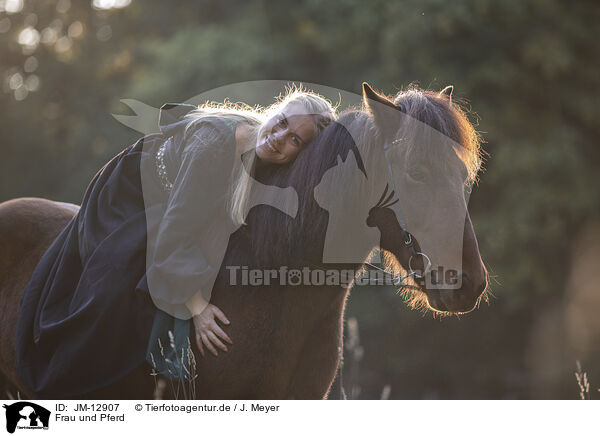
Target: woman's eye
(295,140)
(282,121)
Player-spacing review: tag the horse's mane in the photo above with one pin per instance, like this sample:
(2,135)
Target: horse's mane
(427,112)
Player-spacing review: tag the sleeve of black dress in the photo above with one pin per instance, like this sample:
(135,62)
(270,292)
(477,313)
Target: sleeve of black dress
(179,268)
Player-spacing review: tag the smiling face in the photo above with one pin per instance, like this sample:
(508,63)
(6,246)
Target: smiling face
(284,135)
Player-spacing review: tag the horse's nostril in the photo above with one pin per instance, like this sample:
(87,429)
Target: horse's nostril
(466,281)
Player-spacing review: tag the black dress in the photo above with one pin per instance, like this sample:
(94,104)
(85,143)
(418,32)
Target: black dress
(87,313)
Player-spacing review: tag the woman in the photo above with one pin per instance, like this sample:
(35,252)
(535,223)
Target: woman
(87,316)
(289,127)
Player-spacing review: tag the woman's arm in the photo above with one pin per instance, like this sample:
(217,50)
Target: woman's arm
(179,267)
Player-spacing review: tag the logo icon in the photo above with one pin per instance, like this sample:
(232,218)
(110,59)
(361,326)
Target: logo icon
(26,415)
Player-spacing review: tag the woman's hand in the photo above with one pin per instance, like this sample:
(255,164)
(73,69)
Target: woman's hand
(208,332)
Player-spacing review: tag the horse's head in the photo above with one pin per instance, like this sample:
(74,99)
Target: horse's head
(429,155)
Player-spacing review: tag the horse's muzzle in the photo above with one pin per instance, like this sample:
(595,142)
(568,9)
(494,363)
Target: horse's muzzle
(460,300)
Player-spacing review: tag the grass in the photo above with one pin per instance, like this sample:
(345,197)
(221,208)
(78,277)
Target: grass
(583,383)
(182,381)
(355,352)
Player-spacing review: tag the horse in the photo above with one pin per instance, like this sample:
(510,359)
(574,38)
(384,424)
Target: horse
(288,337)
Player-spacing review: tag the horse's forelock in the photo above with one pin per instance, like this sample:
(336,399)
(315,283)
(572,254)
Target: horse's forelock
(447,117)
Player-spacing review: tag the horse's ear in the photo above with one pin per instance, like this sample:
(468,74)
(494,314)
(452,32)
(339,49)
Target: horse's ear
(370,96)
(447,91)
(384,111)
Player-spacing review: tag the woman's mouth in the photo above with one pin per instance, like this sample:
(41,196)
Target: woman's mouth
(269,146)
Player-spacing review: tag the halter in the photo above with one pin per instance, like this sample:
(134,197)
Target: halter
(406,236)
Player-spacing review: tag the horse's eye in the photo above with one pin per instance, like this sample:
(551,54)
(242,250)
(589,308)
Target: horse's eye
(418,175)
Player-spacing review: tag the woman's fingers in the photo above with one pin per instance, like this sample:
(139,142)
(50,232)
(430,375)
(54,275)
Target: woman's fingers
(210,346)
(216,341)
(208,333)
(200,346)
(220,333)
(220,315)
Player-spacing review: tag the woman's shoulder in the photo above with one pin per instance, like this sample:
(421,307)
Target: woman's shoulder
(175,118)
(195,130)
(209,132)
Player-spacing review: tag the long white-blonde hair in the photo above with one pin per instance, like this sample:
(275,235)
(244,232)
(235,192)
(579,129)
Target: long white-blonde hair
(323,111)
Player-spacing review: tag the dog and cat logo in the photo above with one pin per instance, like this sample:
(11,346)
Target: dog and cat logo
(26,415)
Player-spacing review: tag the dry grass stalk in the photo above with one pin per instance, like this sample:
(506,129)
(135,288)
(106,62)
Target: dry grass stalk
(183,382)
(583,382)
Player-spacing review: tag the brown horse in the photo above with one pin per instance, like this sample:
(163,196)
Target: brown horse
(288,339)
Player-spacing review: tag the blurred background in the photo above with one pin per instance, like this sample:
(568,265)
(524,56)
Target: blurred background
(527,69)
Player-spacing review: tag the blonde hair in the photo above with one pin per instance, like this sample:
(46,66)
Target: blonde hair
(316,105)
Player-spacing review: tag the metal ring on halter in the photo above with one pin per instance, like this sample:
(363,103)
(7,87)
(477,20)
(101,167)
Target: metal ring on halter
(427,267)
(409,242)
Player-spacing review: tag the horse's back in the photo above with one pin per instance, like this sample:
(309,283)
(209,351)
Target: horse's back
(28,224)
(27,228)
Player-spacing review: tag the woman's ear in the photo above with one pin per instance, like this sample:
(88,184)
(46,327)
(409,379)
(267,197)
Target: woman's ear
(385,113)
